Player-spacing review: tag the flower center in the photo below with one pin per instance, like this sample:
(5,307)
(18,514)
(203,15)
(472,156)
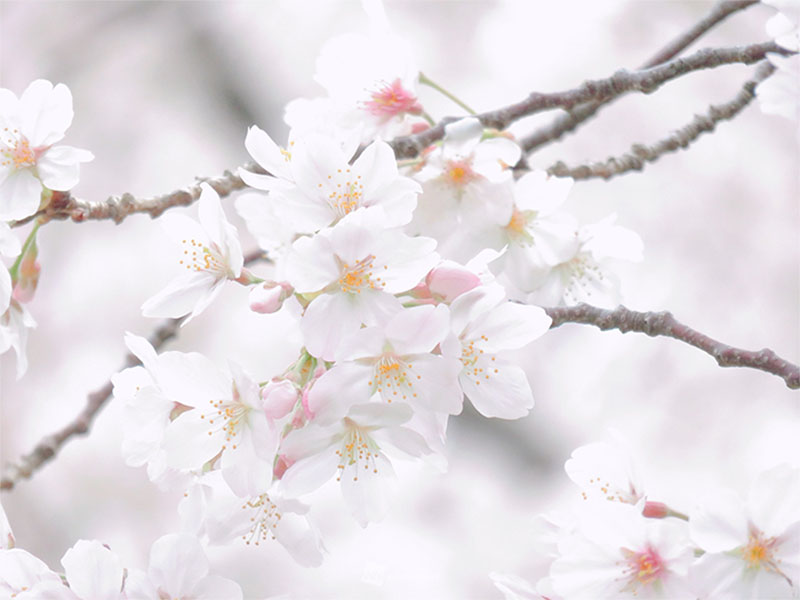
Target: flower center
(459,172)
(642,568)
(346,192)
(264,518)
(582,275)
(390,100)
(759,551)
(470,355)
(359,277)
(391,378)
(199,257)
(226,416)
(357,449)
(17,151)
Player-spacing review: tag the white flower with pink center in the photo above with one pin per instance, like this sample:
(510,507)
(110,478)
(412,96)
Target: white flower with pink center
(587,276)
(352,447)
(29,162)
(179,570)
(752,548)
(484,323)
(351,273)
(210,255)
(615,552)
(314,184)
(466,180)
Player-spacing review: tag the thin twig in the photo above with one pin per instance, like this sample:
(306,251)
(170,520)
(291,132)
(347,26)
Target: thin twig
(116,208)
(664,324)
(639,154)
(48,446)
(568,122)
(645,81)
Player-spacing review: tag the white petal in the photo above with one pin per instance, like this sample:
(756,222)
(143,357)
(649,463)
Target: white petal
(59,167)
(537,191)
(189,293)
(774,500)
(462,137)
(177,564)
(337,390)
(365,491)
(46,112)
(504,394)
(215,587)
(308,474)
(327,320)
(311,264)
(719,523)
(419,329)
(20,195)
(510,326)
(93,571)
(267,153)
(187,442)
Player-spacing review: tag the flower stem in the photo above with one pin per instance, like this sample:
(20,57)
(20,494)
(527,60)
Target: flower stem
(428,118)
(423,79)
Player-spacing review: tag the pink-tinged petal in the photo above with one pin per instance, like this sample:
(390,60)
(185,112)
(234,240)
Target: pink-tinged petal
(774,500)
(417,330)
(177,564)
(541,193)
(327,320)
(472,304)
(365,489)
(311,264)
(300,539)
(404,439)
(215,587)
(309,474)
(497,388)
(20,569)
(46,112)
(267,153)
(59,167)
(333,394)
(376,415)
(93,571)
(448,280)
(189,441)
(509,326)
(719,522)
(435,380)
(189,293)
(20,195)
(461,138)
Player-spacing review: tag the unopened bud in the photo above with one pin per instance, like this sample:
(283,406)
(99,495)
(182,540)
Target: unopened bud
(450,279)
(278,398)
(655,510)
(268,297)
(27,275)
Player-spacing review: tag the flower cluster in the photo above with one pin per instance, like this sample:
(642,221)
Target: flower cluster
(617,542)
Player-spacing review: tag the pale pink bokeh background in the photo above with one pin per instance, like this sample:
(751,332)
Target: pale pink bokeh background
(164,92)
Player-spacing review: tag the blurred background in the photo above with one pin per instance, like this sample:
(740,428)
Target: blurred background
(164,92)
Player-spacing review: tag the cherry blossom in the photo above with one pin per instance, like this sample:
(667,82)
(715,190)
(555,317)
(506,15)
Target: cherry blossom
(617,553)
(25,577)
(752,547)
(780,93)
(29,162)
(587,276)
(211,254)
(353,446)
(785,26)
(211,509)
(178,570)
(315,185)
(484,323)
(605,471)
(467,183)
(352,272)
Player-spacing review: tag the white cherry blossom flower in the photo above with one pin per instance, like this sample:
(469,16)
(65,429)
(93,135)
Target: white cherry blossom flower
(211,509)
(29,162)
(352,272)
(354,447)
(779,94)
(211,254)
(605,471)
(784,27)
(25,577)
(467,180)
(484,323)
(753,547)
(586,276)
(314,185)
(617,553)
(93,571)
(178,570)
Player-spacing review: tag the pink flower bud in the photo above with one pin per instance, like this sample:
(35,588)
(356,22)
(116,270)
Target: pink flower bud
(281,464)
(268,297)
(450,279)
(655,510)
(278,398)
(27,276)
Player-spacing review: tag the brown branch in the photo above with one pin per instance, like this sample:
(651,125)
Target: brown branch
(664,324)
(49,446)
(645,81)
(65,206)
(639,154)
(568,122)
